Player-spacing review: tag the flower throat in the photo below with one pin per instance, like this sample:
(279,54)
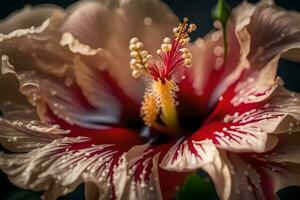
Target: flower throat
(161,77)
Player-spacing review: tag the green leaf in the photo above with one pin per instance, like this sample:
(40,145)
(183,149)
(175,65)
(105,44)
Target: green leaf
(196,187)
(221,12)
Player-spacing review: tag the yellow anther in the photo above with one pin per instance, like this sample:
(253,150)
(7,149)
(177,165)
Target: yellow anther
(187,55)
(134,54)
(182,31)
(184,50)
(139,56)
(149,57)
(136,73)
(188,62)
(139,45)
(133,61)
(144,53)
(167,40)
(192,28)
(175,30)
(166,47)
(185,41)
(139,66)
(134,40)
(132,47)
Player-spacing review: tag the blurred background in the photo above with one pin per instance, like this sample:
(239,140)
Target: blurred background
(198,12)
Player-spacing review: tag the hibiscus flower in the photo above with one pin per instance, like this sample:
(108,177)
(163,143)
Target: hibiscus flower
(75,112)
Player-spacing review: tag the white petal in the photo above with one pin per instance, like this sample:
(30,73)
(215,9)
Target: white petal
(59,167)
(246,182)
(27,17)
(273,31)
(260,176)
(219,171)
(143,180)
(144,189)
(188,155)
(22,131)
(250,130)
(286,156)
(62,100)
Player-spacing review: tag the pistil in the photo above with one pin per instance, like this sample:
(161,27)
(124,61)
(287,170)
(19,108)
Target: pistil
(162,78)
(166,93)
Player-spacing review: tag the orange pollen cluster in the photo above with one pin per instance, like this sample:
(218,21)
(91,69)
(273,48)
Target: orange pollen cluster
(149,109)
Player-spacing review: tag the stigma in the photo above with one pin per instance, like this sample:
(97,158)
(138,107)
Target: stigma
(162,76)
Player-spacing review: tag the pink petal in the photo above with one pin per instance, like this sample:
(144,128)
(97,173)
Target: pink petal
(103,92)
(66,102)
(251,33)
(245,127)
(260,52)
(209,65)
(97,66)
(212,73)
(42,50)
(110,27)
(89,23)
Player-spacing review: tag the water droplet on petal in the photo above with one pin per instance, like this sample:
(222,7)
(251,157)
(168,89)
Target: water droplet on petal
(215,36)
(147,21)
(217,24)
(218,50)
(219,62)
(199,42)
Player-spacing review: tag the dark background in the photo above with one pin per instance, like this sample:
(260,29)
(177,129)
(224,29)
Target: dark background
(199,12)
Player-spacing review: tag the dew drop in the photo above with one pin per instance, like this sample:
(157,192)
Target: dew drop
(215,36)
(218,50)
(68,81)
(199,42)
(219,62)
(147,21)
(217,24)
